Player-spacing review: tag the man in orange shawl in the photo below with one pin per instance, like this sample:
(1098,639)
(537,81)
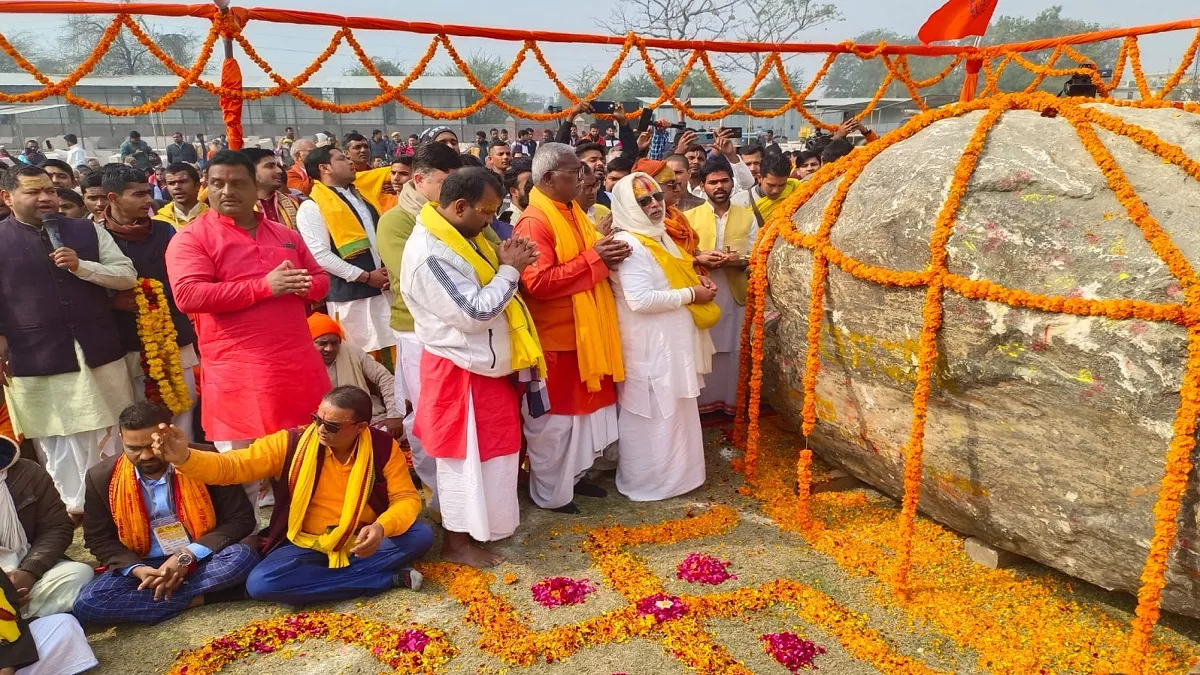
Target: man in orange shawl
(573,308)
(156,529)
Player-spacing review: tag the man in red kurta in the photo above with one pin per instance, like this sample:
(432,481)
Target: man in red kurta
(245,281)
(573,309)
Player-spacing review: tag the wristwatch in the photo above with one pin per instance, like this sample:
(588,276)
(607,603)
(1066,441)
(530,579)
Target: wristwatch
(186,558)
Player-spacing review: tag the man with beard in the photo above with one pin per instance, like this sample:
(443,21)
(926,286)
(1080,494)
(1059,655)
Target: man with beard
(726,236)
(144,240)
(170,542)
(517,183)
(183,185)
(275,204)
(775,184)
(722,146)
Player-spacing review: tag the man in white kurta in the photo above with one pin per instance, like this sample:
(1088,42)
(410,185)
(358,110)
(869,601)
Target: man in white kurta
(730,230)
(69,415)
(666,351)
(359,298)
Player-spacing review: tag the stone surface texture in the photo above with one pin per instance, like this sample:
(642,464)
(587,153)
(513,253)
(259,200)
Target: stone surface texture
(1046,433)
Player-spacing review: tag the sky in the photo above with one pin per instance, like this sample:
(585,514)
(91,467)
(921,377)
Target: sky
(290,48)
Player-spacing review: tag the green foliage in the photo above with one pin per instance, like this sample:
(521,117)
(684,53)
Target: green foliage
(386,67)
(852,77)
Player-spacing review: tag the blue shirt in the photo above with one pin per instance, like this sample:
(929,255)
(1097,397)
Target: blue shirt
(157,496)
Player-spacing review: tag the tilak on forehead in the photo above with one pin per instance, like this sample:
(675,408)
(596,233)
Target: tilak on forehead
(643,186)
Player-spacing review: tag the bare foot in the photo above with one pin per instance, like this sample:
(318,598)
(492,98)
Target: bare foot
(459,548)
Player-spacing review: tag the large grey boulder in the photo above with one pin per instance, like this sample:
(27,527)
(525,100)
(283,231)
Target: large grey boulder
(1046,433)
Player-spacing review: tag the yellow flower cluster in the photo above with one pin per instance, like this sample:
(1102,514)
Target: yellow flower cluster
(160,349)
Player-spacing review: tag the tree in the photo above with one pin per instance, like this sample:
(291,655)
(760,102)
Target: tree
(386,67)
(774,22)
(80,33)
(489,69)
(854,77)
(673,20)
(26,46)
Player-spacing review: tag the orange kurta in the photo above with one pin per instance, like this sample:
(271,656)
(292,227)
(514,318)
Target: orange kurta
(547,286)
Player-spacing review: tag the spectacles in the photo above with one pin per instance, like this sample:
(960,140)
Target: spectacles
(673,184)
(582,169)
(645,201)
(331,427)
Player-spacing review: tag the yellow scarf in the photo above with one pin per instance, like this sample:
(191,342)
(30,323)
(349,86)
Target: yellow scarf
(370,185)
(302,480)
(681,273)
(193,507)
(526,349)
(349,237)
(766,205)
(597,338)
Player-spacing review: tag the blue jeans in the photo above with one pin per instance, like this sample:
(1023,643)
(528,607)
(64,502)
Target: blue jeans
(296,576)
(115,598)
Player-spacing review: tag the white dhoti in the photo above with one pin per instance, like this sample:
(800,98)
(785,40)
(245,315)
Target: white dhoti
(479,498)
(661,456)
(188,361)
(366,322)
(561,450)
(67,459)
(56,591)
(62,647)
(720,385)
(408,387)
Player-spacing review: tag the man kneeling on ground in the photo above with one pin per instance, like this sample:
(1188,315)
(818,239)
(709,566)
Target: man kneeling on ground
(169,541)
(345,520)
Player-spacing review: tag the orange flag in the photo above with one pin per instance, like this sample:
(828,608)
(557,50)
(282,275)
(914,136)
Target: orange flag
(957,19)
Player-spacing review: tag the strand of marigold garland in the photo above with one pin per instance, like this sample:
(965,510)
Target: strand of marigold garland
(57,88)
(1184,64)
(1166,509)
(744,355)
(927,352)
(160,348)
(758,278)
(1040,72)
(804,489)
(1139,76)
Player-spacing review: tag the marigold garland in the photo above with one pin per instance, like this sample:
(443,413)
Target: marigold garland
(160,349)
(411,650)
(937,278)
(654,614)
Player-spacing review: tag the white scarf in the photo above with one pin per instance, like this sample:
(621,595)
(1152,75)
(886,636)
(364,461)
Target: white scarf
(13,542)
(628,216)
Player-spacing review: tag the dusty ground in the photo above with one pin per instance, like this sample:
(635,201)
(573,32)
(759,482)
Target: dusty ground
(548,544)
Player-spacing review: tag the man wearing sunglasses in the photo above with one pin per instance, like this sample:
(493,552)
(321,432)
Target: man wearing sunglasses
(726,234)
(345,520)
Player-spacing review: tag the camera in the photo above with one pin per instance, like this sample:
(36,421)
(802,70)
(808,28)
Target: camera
(1081,84)
(554,108)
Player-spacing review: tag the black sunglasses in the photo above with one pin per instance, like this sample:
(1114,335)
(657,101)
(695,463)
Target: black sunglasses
(645,201)
(331,427)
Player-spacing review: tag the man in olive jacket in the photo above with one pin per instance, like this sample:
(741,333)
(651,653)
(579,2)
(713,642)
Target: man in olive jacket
(35,531)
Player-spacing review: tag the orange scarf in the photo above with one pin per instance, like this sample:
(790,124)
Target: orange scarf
(680,230)
(193,506)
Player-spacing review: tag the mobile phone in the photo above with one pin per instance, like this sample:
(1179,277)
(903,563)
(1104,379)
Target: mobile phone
(645,120)
(737,131)
(685,94)
(603,107)
(554,108)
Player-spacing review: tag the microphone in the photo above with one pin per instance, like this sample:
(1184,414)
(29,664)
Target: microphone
(50,222)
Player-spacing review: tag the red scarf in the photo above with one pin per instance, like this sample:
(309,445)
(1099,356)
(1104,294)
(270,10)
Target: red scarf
(138,230)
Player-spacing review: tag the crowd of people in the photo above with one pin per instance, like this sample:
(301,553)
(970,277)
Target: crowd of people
(514,312)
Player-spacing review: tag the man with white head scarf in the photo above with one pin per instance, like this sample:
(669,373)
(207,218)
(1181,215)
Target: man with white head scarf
(665,310)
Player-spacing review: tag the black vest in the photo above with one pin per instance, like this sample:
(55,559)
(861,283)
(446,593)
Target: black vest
(45,310)
(341,290)
(150,259)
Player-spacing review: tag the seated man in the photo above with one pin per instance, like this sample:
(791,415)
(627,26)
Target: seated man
(170,542)
(35,532)
(54,645)
(345,520)
(350,366)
